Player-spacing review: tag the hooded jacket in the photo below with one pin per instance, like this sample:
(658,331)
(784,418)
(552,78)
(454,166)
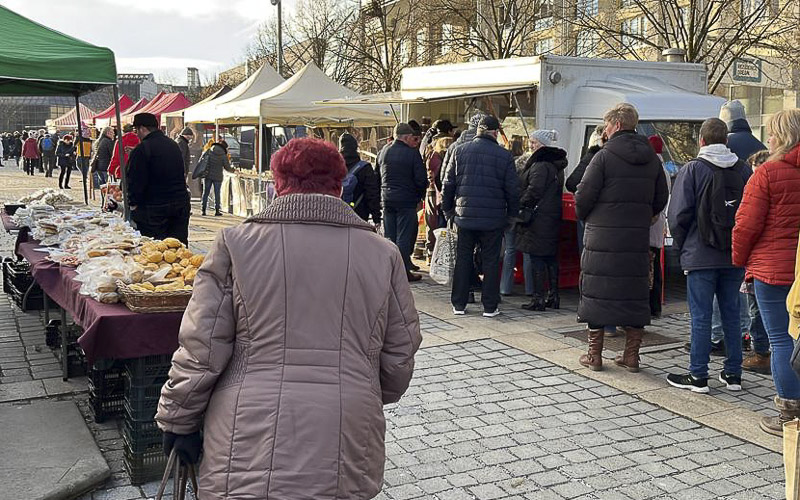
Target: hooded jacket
(541,184)
(481,187)
(129,140)
(623,187)
(289,386)
(741,140)
(690,182)
(30,149)
(768,221)
(368,185)
(404,179)
(217,162)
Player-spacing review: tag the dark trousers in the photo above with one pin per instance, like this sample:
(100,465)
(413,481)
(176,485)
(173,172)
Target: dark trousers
(29,164)
(49,164)
(164,221)
(464,272)
(63,177)
(207,184)
(655,292)
(400,226)
(545,275)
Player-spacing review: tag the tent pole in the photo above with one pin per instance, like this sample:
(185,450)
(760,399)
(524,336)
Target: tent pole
(80,149)
(126,209)
(260,159)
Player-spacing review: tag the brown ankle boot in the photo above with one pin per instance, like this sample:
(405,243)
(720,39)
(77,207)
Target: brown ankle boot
(630,356)
(593,359)
(788,409)
(758,363)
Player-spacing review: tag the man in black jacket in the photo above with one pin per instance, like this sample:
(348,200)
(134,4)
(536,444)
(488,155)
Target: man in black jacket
(480,194)
(183,141)
(367,192)
(157,191)
(404,181)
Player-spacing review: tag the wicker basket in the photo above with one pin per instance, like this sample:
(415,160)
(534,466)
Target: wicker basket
(154,302)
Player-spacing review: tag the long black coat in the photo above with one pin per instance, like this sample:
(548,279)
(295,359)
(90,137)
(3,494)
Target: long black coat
(623,187)
(541,183)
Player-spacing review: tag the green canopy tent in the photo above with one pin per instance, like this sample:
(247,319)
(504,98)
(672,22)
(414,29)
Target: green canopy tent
(39,61)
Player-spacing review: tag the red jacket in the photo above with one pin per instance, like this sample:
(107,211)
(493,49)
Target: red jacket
(129,139)
(768,221)
(30,148)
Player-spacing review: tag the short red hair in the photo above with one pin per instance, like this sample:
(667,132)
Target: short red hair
(308,165)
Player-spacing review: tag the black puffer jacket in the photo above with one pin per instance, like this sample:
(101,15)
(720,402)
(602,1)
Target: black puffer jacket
(104,150)
(217,162)
(741,140)
(575,177)
(404,179)
(368,185)
(541,183)
(481,187)
(623,187)
(183,145)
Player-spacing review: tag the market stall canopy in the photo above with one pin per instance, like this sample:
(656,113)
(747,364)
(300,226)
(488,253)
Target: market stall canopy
(179,114)
(293,103)
(112,120)
(165,103)
(125,103)
(68,121)
(263,80)
(36,60)
(148,106)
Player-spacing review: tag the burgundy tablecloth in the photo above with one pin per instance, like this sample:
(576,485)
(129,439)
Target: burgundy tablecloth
(111,331)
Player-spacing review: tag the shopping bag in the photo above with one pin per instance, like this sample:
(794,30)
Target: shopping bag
(791,458)
(201,169)
(443,260)
(181,474)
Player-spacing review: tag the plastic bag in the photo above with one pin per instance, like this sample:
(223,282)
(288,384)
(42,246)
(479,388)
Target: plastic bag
(443,260)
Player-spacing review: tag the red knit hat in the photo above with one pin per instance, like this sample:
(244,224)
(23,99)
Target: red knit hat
(657,143)
(308,165)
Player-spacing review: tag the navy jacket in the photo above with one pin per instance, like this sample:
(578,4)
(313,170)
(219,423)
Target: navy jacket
(404,179)
(481,186)
(682,216)
(741,140)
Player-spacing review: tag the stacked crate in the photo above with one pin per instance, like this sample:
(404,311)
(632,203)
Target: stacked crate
(106,389)
(17,279)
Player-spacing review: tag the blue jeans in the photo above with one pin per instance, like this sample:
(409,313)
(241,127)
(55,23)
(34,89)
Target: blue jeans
(509,262)
(400,226)
(772,304)
(744,318)
(99,178)
(757,332)
(702,286)
(207,190)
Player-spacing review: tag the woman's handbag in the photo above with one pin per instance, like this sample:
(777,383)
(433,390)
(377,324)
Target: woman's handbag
(791,458)
(201,169)
(181,475)
(527,214)
(443,259)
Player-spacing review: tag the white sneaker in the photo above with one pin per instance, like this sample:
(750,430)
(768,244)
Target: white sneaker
(459,312)
(493,314)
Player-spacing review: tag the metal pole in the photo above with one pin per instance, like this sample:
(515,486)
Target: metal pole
(280,38)
(260,159)
(80,150)
(126,209)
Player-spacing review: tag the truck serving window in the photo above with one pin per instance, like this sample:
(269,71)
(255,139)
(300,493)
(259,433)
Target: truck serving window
(681,141)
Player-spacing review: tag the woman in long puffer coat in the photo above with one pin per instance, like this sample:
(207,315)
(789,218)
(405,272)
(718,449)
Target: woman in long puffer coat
(300,328)
(541,186)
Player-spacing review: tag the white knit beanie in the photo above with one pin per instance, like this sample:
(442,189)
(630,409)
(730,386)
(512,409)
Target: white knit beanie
(545,137)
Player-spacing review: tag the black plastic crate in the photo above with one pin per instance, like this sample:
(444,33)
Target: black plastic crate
(143,467)
(145,370)
(52,335)
(141,435)
(8,261)
(34,302)
(19,274)
(106,389)
(141,401)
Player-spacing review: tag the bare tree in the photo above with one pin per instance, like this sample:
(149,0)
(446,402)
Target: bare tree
(714,32)
(264,45)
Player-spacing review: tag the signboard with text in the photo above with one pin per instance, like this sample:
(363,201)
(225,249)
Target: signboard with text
(746,70)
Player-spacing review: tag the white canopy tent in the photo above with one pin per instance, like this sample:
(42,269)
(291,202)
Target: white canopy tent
(263,80)
(294,103)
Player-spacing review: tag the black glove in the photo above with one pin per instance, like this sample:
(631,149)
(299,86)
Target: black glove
(187,446)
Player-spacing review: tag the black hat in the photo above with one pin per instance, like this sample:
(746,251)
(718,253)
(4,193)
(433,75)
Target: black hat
(347,143)
(145,120)
(489,122)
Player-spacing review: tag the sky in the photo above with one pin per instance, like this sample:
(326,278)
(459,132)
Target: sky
(162,37)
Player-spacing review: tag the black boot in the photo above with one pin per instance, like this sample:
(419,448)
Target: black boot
(537,302)
(553,300)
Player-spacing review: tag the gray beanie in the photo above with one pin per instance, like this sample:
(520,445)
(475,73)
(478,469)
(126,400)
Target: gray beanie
(476,119)
(187,131)
(732,110)
(545,137)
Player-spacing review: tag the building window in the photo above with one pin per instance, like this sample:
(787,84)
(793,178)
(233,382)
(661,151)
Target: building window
(586,43)
(447,38)
(405,52)
(422,43)
(588,8)
(544,46)
(634,32)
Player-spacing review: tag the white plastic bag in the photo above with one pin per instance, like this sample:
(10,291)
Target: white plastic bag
(443,260)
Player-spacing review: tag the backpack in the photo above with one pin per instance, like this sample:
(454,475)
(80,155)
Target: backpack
(47,144)
(350,182)
(716,209)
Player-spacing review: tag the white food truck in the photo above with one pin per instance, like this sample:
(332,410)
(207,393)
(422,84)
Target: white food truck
(567,94)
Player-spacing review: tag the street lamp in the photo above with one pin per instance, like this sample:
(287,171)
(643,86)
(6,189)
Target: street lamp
(277,3)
